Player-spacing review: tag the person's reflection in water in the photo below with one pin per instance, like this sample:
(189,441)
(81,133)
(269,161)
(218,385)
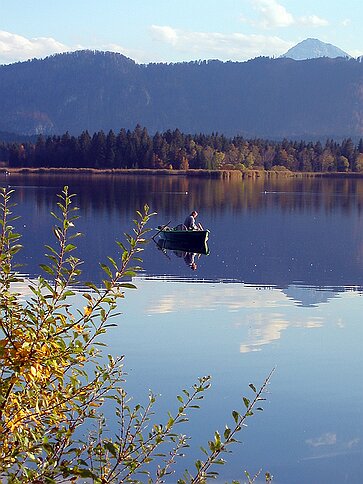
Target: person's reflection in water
(189,259)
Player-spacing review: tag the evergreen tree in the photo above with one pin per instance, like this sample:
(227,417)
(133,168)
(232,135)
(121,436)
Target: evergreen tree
(98,150)
(121,160)
(110,155)
(84,149)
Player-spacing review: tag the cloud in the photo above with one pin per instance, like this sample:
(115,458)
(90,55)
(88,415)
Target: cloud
(134,54)
(14,47)
(328,438)
(265,328)
(165,34)
(329,446)
(313,21)
(356,53)
(272,14)
(257,316)
(238,46)
(233,297)
(209,45)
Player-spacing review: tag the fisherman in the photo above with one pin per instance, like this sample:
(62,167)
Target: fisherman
(190,223)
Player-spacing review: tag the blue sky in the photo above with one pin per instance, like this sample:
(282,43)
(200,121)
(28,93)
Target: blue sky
(175,30)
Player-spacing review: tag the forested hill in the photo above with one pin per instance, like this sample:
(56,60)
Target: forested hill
(271,98)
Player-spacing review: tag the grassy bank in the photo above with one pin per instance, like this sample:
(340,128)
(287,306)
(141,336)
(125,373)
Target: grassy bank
(216,174)
(219,174)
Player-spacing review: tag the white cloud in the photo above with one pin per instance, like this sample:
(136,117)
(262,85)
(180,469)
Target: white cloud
(272,14)
(355,53)
(267,328)
(257,316)
(234,297)
(244,20)
(352,443)
(134,54)
(328,438)
(328,445)
(313,21)
(14,47)
(207,45)
(237,46)
(346,22)
(165,34)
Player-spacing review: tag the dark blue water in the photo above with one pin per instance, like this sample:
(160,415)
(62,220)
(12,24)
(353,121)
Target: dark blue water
(280,288)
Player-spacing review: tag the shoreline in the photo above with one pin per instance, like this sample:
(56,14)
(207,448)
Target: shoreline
(215,174)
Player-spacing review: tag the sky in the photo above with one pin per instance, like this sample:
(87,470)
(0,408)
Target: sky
(175,30)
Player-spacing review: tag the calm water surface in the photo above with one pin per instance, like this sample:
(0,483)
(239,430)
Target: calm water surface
(281,287)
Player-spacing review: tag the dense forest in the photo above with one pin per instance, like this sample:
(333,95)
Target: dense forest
(175,150)
(264,98)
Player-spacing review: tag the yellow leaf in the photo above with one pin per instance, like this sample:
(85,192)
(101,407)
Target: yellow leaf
(87,311)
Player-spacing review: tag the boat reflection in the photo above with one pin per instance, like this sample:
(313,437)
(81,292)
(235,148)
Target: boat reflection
(189,253)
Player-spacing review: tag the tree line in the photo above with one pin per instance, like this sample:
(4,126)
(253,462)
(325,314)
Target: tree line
(174,150)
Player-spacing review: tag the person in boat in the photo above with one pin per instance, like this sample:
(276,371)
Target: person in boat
(190,223)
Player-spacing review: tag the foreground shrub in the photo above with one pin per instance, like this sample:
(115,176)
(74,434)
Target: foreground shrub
(54,380)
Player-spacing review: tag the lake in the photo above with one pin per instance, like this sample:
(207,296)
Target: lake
(281,288)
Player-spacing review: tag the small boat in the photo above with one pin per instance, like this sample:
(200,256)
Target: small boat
(185,240)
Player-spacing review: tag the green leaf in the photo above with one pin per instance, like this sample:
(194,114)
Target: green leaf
(235,415)
(107,270)
(219,461)
(227,433)
(112,262)
(111,447)
(69,247)
(15,248)
(127,285)
(85,473)
(170,423)
(252,387)
(107,284)
(47,269)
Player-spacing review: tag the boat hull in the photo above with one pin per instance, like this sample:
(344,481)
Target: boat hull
(185,240)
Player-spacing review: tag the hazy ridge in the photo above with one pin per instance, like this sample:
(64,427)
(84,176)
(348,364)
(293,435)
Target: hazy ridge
(272,98)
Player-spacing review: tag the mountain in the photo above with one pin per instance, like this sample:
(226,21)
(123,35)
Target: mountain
(271,98)
(314,48)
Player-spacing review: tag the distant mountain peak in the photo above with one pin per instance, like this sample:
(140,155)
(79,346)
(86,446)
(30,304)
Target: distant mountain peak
(312,49)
